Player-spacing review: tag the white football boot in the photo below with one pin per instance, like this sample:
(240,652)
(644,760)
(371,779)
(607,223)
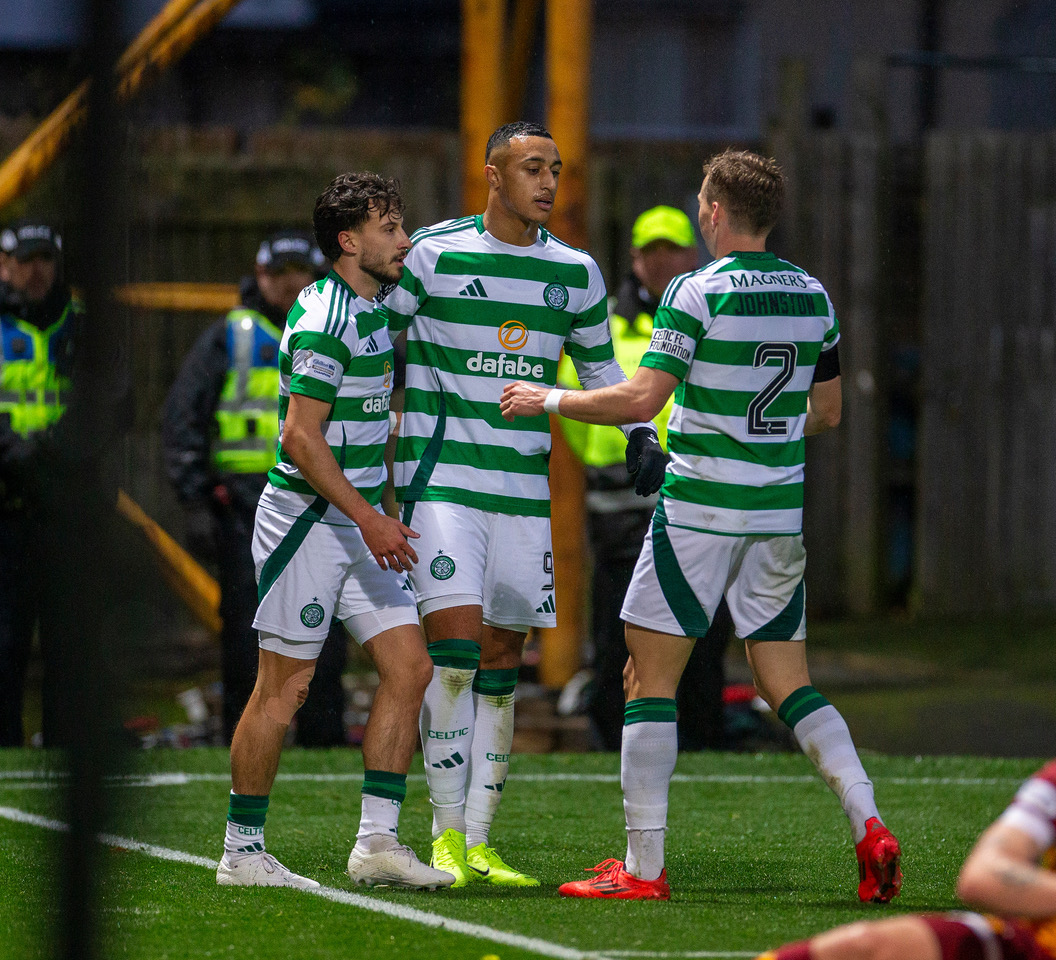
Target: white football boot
(396,866)
(259,870)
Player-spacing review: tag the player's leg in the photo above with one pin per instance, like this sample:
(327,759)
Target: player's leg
(677,585)
(650,744)
(321,721)
(518,595)
(300,568)
(493,702)
(404,671)
(446,725)
(900,938)
(772,567)
(448,583)
(281,687)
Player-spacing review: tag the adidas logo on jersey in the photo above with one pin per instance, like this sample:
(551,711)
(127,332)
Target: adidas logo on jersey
(474,289)
(371,346)
(548,605)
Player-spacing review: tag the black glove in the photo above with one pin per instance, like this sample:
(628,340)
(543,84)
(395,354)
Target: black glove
(646,461)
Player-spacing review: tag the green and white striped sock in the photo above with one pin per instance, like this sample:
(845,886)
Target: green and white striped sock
(245,824)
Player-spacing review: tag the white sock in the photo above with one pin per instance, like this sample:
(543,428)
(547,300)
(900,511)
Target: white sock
(382,797)
(823,736)
(240,841)
(446,726)
(493,698)
(647,759)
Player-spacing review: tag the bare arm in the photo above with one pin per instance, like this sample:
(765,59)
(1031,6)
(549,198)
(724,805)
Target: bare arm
(824,406)
(305,444)
(636,400)
(1001,875)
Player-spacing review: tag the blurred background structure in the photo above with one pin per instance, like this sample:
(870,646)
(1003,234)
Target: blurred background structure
(918,136)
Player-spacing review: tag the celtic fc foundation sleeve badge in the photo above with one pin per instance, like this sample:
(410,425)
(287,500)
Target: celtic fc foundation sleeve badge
(442,568)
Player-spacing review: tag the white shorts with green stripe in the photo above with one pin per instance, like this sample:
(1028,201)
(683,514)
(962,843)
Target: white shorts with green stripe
(682,575)
(468,556)
(310,572)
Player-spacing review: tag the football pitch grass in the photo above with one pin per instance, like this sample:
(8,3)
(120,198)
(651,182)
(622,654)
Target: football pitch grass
(758,853)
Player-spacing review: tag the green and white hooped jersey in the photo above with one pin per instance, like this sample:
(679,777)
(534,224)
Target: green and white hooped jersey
(480,314)
(336,348)
(743,335)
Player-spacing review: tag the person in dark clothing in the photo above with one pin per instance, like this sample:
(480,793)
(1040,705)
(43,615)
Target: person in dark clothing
(40,322)
(220,431)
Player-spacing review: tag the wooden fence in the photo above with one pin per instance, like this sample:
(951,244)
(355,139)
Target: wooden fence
(986,533)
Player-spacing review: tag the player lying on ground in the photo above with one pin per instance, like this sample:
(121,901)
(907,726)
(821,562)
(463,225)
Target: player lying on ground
(749,347)
(1009,872)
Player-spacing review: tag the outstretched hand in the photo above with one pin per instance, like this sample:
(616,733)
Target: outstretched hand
(386,538)
(646,461)
(522,399)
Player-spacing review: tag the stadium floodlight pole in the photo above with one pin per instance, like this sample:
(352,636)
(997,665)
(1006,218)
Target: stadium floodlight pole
(165,39)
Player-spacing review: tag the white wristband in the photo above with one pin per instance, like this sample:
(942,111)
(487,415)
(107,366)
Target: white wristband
(553,399)
(394,422)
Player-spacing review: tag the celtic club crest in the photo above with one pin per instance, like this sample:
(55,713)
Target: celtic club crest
(312,615)
(442,568)
(556,295)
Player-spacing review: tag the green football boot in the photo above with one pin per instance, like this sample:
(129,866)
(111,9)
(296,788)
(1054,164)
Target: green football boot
(489,867)
(449,855)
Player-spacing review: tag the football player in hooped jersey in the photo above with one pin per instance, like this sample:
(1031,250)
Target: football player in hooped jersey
(486,300)
(1008,873)
(748,346)
(323,547)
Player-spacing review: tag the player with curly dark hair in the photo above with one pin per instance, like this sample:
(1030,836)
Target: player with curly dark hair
(324,549)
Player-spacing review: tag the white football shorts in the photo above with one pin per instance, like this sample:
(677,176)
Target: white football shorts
(467,556)
(682,574)
(310,572)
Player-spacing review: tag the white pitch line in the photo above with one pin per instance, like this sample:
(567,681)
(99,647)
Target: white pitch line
(398,911)
(682,955)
